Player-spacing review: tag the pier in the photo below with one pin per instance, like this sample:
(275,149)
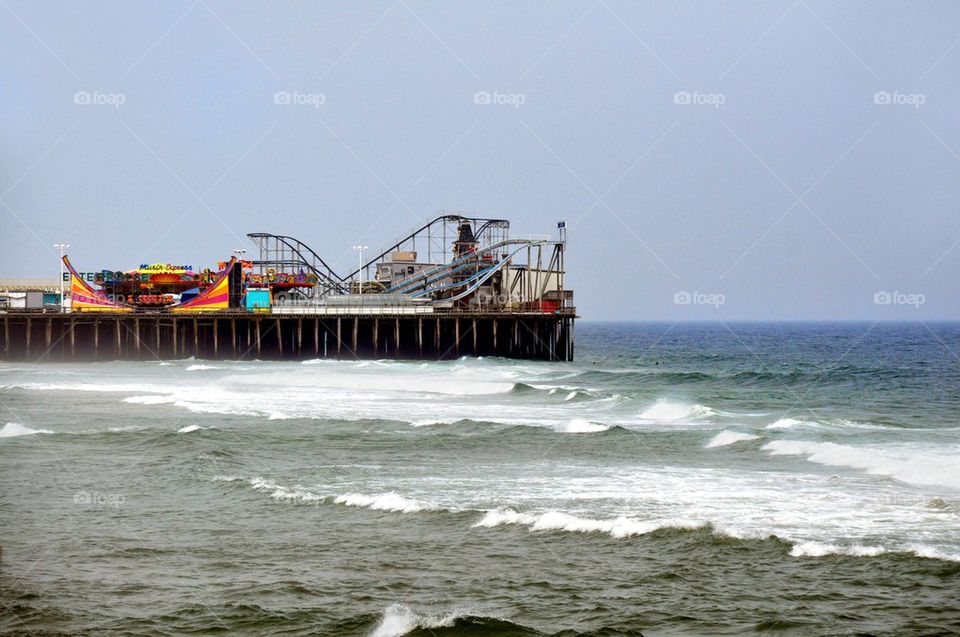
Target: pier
(456,286)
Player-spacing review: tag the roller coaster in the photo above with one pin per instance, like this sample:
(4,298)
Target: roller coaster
(451,260)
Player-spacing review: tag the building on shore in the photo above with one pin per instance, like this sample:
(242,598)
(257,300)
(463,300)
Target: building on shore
(29,294)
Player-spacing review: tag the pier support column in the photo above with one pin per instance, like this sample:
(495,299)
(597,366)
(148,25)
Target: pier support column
(396,337)
(420,337)
(49,336)
(216,340)
(456,336)
(116,337)
(136,336)
(6,336)
(156,324)
(316,338)
(196,338)
(299,336)
(473,326)
(233,335)
(73,337)
(495,352)
(176,336)
(376,335)
(356,329)
(29,330)
(339,339)
(258,337)
(279,336)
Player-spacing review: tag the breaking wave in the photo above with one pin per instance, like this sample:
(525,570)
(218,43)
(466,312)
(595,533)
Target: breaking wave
(390,501)
(920,466)
(620,527)
(579,426)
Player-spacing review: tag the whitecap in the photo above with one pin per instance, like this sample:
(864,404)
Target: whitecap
(726,437)
(579,426)
(189,429)
(390,501)
(620,527)
(822,549)
(788,423)
(665,410)
(399,620)
(15,429)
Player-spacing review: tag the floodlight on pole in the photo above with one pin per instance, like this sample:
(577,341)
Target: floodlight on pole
(62,247)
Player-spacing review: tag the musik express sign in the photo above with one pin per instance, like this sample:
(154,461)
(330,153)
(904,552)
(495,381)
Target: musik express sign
(144,273)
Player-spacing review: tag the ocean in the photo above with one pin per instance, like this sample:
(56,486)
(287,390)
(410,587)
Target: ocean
(686,479)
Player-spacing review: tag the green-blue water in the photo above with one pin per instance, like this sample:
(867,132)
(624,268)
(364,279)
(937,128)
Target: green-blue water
(781,479)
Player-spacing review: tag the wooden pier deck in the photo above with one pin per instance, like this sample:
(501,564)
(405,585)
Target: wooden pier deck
(239,335)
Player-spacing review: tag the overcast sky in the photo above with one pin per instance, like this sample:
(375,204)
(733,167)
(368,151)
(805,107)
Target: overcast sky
(774,160)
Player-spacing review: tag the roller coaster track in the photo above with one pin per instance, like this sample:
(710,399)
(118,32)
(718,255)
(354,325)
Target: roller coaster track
(481,226)
(284,252)
(301,255)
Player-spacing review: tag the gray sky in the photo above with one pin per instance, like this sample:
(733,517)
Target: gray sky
(782,190)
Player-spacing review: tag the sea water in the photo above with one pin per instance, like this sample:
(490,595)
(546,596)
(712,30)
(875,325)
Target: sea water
(683,479)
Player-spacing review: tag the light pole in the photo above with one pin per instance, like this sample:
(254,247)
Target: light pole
(240,252)
(62,247)
(360,250)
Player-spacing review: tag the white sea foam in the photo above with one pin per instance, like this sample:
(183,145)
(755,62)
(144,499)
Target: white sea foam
(199,368)
(667,411)
(725,438)
(924,466)
(15,429)
(190,428)
(821,549)
(619,527)
(390,501)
